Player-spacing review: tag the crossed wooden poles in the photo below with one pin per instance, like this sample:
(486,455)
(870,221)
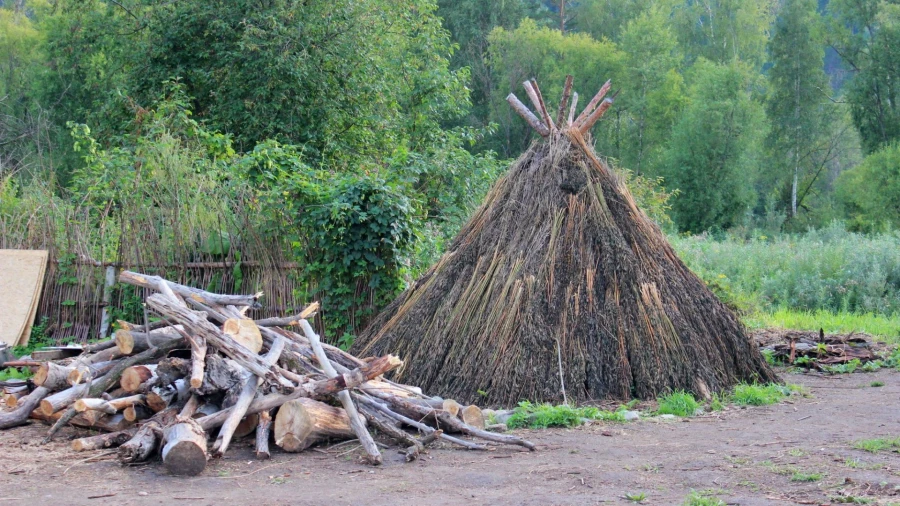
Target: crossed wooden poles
(545,124)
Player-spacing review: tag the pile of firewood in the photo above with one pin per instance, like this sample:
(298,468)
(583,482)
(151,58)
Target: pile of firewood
(203,369)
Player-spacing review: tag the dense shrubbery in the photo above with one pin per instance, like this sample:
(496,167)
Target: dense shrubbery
(829,269)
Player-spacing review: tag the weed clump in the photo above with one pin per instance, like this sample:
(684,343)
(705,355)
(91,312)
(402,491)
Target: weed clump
(698,499)
(759,395)
(877,445)
(542,416)
(678,403)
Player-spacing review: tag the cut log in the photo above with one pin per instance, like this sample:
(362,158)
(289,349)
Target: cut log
(247,426)
(137,412)
(171,369)
(206,409)
(221,375)
(301,423)
(245,332)
(263,430)
(111,406)
(135,376)
(185,451)
(248,393)
(129,341)
(201,328)
(52,376)
(82,373)
(12,399)
(141,445)
(451,406)
(160,397)
(63,398)
(110,440)
(472,415)
(82,405)
(155,282)
(23,408)
(356,421)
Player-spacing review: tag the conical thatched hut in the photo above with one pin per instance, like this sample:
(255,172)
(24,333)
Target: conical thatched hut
(559,281)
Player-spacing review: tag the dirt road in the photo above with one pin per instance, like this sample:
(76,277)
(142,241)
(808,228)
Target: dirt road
(754,456)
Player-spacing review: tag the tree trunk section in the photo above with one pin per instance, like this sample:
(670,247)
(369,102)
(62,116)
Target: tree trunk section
(263,430)
(300,423)
(110,440)
(52,376)
(185,451)
(135,376)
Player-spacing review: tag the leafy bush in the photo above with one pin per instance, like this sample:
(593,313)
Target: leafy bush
(678,403)
(15,373)
(870,192)
(828,269)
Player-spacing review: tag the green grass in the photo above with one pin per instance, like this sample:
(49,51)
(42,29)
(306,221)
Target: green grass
(886,328)
(698,499)
(877,445)
(806,477)
(541,416)
(678,403)
(876,384)
(746,394)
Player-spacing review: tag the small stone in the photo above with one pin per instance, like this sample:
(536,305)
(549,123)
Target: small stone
(667,417)
(631,415)
(143,494)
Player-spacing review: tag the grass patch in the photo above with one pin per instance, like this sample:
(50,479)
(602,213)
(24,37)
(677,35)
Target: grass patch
(806,477)
(746,394)
(876,384)
(542,416)
(877,445)
(884,327)
(678,403)
(698,499)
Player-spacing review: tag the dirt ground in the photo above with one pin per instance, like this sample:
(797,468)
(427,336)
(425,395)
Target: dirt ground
(743,456)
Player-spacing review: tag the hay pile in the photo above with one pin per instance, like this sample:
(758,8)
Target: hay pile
(559,281)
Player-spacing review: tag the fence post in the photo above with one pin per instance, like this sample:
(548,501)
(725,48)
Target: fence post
(107,297)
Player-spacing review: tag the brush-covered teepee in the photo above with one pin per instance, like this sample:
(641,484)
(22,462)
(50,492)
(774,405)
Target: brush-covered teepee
(559,282)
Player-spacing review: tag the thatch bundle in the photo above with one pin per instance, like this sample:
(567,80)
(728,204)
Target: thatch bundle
(559,282)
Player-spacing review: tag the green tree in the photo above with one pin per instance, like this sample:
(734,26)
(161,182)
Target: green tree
(797,107)
(870,192)
(640,124)
(712,155)
(547,55)
(23,124)
(607,19)
(722,30)
(470,22)
(867,37)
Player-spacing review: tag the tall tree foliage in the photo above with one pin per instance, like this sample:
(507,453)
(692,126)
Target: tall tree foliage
(868,39)
(712,154)
(469,23)
(644,112)
(724,30)
(797,101)
(547,55)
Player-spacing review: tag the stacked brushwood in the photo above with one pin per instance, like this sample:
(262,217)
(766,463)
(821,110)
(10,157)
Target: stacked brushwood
(204,369)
